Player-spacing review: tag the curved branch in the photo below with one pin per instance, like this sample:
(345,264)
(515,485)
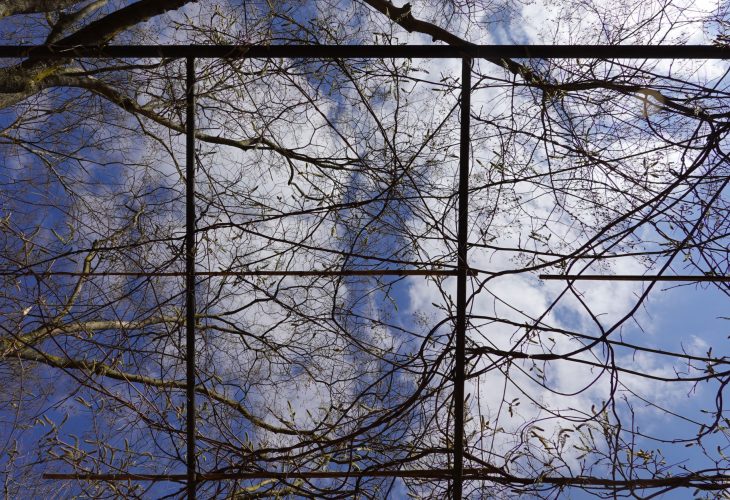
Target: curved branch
(15,7)
(97,368)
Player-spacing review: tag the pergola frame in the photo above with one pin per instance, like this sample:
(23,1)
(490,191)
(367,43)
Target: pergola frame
(461,269)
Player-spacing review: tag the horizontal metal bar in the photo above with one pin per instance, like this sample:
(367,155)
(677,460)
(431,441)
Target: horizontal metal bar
(627,277)
(375,51)
(360,272)
(224,476)
(479,474)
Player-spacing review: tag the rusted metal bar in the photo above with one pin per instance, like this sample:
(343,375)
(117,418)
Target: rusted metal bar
(190,274)
(631,277)
(224,476)
(355,272)
(374,51)
(462,267)
(704,482)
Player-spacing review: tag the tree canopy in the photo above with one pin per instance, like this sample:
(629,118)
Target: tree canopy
(578,166)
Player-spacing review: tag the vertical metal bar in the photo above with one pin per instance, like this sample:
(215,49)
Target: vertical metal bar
(190,271)
(462,269)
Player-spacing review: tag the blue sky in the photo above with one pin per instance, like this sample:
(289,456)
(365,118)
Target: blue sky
(673,319)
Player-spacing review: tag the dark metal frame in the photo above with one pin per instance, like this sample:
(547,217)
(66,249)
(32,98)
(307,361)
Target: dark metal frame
(466,53)
(375,51)
(631,277)
(190,308)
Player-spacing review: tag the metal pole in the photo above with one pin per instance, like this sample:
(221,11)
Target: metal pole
(164,274)
(372,51)
(462,268)
(244,475)
(190,271)
(632,277)
(715,482)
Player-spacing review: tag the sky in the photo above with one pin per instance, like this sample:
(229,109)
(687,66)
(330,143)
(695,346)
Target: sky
(684,317)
